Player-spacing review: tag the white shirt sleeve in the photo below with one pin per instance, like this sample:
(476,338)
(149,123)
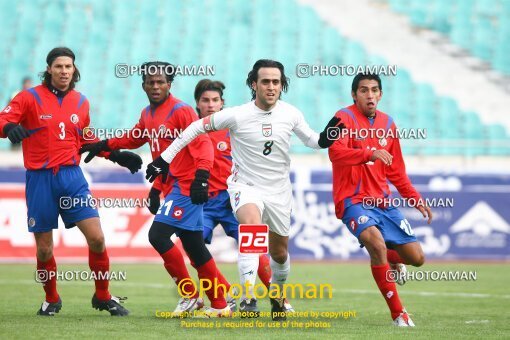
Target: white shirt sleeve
(309,137)
(225,119)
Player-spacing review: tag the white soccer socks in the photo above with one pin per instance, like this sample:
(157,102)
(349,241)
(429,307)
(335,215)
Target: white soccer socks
(280,271)
(248,265)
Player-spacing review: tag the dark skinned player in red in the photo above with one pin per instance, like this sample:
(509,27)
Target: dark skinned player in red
(185,189)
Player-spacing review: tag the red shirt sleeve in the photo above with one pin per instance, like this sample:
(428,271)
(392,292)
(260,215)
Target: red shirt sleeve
(342,151)
(14,112)
(200,148)
(131,140)
(396,172)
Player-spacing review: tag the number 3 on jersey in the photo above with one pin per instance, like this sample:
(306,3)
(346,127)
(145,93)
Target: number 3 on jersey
(267,148)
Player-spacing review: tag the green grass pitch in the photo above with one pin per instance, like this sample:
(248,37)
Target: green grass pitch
(451,309)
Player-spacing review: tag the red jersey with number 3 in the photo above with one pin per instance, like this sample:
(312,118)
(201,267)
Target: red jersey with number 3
(354,175)
(55,125)
(159,126)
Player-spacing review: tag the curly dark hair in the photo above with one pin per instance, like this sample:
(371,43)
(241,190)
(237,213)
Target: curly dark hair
(167,68)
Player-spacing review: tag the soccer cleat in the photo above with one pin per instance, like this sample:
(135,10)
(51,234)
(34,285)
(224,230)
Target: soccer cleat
(278,312)
(232,303)
(403,320)
(209,312)
(113,306)
(287,307)
(249,309)
(402,273)
(186,306)
(49,309)
(231,300)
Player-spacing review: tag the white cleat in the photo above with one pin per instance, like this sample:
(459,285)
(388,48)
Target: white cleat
(231,301)
(403,320)
(287,307)
(209,312)
(401,273)
(186,307)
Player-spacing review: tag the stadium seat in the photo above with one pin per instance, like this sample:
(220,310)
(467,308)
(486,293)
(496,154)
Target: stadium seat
(480,27)
(104,34)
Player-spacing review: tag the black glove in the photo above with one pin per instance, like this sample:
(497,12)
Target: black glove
(156,168)
(199,190)
(16,133)
(126,159)
(332,132)
(94,149)
(154,201)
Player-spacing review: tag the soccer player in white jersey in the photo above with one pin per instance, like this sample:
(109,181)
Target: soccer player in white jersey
(259,186)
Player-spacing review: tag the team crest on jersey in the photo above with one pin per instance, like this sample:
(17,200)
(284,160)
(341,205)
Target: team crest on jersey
(267,130)
(162,129)
(222,146)
(74,118)
(31,222)
(47,116)
(383,142)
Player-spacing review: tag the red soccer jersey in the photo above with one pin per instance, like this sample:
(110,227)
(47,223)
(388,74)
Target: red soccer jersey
(159,126)
(354,175)
(222,160)
(55,126)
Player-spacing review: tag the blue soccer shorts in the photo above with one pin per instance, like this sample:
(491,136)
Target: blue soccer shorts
(179,212)
(218,210)
(393,226)
(50,194)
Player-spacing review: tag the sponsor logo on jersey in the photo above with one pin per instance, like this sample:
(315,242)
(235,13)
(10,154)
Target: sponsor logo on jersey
(74,118)
(267,130)
(222,146)
(47,116)
(353,225)
(177,213)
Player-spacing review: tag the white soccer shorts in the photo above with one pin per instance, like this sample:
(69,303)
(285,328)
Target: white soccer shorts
(275,209)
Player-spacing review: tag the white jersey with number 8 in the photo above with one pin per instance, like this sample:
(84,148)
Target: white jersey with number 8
(260,142)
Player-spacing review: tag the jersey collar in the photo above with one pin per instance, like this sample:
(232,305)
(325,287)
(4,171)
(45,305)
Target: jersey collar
(57,92)
(359,113)
(259,110)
